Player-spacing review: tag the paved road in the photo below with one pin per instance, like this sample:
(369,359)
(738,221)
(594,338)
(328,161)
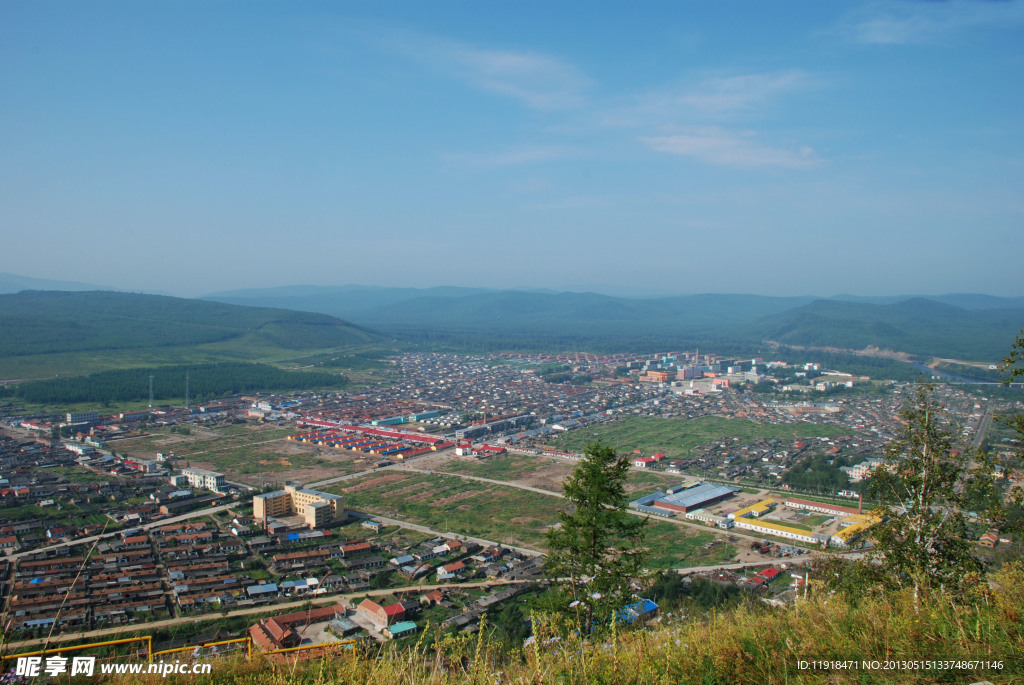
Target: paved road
(435,533)
(983,426)
(401,465)
(507,483)
(146,526)
(677,521)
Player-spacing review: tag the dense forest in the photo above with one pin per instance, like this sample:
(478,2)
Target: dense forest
(818,472)
(917,326)
(36,322)
(206,382)
(970,327)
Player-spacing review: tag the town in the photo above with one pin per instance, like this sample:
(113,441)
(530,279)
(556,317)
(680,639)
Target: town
(384,505)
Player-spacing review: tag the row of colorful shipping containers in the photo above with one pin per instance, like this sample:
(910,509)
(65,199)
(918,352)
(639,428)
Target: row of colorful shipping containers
(395,443)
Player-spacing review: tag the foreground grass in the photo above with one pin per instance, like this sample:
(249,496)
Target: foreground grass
(751,644)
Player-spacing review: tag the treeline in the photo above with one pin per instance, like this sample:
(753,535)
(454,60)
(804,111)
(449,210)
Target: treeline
(878,368)
(359,360)
(918,326)
(972,372)
(51,322)
(816,473)
(206,381)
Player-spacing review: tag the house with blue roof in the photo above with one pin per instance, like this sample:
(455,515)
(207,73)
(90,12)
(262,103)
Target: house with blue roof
(639,611)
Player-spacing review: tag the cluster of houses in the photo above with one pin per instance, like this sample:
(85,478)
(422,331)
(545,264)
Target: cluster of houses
(387,617)
(120,583)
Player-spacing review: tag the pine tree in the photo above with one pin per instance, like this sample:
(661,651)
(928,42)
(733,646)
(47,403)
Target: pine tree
(597,550)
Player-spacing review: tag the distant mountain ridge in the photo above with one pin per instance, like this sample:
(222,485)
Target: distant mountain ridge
(13,283)
(56,322)
(477,319)
(918,326)
(963,326)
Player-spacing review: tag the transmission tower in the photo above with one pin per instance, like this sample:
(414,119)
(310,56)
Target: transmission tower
(186,391)
(150,392)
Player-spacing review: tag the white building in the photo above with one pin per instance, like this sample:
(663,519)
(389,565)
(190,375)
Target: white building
(201,478)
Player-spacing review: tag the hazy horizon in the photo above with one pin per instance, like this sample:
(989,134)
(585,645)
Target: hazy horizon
(606,289)
(189,148)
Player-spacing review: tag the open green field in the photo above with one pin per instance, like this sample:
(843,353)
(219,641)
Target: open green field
(653,480)
(512,467)
(249,453)
(493,512)
(675,547)
(676,437)
(503,514)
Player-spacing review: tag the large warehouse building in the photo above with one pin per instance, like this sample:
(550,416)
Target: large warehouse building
(682,501)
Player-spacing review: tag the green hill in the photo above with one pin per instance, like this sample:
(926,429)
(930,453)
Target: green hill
(520,320)
(918,326)
(962,326)
(75,332)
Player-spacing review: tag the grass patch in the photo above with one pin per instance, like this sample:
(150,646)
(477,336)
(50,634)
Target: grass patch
(674,546)
(816,520)
(793,524)
(240,450)
(677,437)
(492,512)
(500,468)
(503,514)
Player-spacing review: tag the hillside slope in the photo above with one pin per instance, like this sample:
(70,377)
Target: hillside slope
(155,329)
(930,640)
(962,326)
(918,326)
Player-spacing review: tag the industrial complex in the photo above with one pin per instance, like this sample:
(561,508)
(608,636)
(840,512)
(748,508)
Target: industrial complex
(707,503)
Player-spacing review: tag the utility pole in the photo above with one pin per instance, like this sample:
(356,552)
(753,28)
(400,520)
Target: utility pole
(186,391)
(151,392)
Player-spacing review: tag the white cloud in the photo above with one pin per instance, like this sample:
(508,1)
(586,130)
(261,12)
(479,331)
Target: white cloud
(721,147)
(710,98)
(537,81)
(730,93)
(924,22)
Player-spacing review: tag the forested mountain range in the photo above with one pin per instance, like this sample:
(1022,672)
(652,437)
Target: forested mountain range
(962,326)
(51,333)
(37,322)
(176,330)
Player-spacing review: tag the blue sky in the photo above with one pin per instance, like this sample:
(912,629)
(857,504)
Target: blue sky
(775,148)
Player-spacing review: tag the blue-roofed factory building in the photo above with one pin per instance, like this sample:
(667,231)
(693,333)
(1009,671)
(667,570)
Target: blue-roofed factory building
(680,501)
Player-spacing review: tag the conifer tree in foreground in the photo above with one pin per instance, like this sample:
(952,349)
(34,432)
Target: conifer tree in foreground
(597,549)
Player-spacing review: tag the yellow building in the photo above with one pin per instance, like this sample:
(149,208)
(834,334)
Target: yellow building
(844,537)
(779,530)
(316,508)
(754,510)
